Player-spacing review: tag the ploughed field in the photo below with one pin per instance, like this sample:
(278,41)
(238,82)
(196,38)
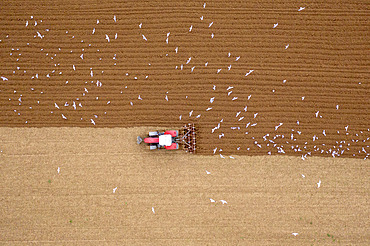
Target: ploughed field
(278,77)
(80,80)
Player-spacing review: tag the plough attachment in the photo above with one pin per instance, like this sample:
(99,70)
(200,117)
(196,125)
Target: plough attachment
(189,138)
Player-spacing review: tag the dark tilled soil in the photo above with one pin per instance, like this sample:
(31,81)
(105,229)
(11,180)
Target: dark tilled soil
(319,82)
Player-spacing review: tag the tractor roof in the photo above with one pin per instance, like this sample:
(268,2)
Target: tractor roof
(165,140)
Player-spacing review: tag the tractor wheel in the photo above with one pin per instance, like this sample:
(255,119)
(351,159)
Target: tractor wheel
(153,134)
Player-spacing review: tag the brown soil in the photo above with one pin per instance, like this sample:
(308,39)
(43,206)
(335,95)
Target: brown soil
(267,198)
(326,64)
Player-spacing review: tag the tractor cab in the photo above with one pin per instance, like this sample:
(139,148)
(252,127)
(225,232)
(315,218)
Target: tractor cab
(165,140)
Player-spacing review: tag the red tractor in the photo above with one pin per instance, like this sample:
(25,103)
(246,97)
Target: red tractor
(172,139)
